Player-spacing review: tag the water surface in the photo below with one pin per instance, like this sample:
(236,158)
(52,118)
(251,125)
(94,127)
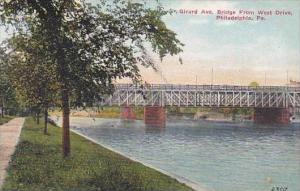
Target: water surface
(219,156)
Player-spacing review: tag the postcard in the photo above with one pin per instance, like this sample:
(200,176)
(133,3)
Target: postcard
(150,95)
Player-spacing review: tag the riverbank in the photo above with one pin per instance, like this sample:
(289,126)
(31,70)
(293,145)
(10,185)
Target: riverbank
(104,112)
(193,113)
(37,164)
(208,153)
(181,179)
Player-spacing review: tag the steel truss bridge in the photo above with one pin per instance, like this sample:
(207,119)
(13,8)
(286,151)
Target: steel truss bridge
(204,96)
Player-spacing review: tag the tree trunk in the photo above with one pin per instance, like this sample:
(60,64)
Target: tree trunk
(66,123)
(46,121)
(38,117)
(2,108)
(32,114)
(63,78)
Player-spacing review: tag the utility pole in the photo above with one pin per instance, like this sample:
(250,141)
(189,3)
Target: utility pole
(265,78)
(287,78)
(212,76)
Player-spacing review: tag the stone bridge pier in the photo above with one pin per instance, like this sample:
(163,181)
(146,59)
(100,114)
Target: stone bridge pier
(127,112)
(272,115)
(155,116)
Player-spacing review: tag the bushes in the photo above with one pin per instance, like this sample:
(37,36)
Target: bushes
(5,119)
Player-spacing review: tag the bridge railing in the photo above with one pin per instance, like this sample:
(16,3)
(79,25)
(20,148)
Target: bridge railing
(204,87)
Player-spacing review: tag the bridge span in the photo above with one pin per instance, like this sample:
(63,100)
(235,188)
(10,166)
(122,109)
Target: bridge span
(271,103)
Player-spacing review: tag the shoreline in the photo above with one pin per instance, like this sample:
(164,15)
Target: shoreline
(195,116)
(180,179)
(170,118)
(112,170)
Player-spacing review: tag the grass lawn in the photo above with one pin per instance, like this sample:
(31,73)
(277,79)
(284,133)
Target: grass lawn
(37,165)
(5,119)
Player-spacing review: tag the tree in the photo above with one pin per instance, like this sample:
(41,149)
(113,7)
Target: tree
(91,46)
(7,94)
(254,84)
(33,81)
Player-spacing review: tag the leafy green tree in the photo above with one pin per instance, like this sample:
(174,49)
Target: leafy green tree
(33,81)
(7,94)
(91,46)
(254,84)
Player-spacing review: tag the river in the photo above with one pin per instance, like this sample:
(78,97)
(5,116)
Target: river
(220,156)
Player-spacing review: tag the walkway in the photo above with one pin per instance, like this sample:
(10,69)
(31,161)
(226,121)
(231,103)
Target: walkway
(9,136)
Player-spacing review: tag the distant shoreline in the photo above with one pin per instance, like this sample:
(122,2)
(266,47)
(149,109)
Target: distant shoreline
(198,115)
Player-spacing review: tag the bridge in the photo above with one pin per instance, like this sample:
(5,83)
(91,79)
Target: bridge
(271,103)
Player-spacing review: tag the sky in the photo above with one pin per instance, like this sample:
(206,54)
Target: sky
(237,52)
(230,52)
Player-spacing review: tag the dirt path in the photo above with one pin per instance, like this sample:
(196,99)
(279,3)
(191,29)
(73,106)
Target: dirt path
(9,136)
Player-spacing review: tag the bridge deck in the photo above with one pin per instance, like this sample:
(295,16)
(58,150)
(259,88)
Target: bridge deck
(204,87)
(205,95)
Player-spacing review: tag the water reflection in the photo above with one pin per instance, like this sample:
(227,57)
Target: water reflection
(154,129)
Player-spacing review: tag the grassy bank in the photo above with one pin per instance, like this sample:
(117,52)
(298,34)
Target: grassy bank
(103,112)
(5,119)
(38,165)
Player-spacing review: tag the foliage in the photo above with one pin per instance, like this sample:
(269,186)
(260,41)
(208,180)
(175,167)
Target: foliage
(37,165)
(5,119)
(254,84)
(7,93)
(90,46)
(84,48)
(32,78)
